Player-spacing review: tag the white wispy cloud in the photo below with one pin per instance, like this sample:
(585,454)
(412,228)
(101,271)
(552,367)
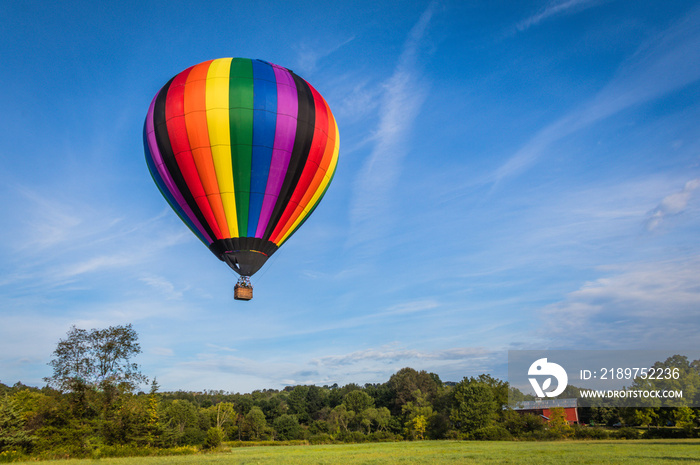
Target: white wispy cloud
(667,62)
(58,239)
(163,285)
(636,305)
(401,355)
(555,9)
(673,204)
(356,99)
(308,56)
(162,351)
(214,370)
(403,95)
(409,307)
(45,221)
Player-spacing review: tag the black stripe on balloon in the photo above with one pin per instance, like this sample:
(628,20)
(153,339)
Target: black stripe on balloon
(306,120)
(166,151)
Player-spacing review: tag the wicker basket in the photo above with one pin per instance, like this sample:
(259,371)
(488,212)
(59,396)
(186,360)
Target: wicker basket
(242,292)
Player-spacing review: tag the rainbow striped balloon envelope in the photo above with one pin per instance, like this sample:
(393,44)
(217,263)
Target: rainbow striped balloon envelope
(243,151)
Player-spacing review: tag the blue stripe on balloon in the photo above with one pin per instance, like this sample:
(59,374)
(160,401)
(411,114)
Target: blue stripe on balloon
(264,123)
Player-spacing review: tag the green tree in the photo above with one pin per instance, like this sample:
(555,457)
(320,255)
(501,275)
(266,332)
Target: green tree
(474,406)
(377,417)
(96,357)
(417,414)
(500,389)
(644,416)
(340,418)
(683,417)
(222,413)
(382,418)
(181,414)
(558,422)
(357,401)
(12,433)
(287,427)
(316,401)
(517,423)
(417,426)
(215,436)
(297,402)
(677,374)
(255,424)
(154,428)
(407,381)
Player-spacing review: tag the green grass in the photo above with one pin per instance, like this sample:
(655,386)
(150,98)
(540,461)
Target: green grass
(671,451)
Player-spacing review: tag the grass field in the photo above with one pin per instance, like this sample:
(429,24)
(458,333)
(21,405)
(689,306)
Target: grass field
(678,451)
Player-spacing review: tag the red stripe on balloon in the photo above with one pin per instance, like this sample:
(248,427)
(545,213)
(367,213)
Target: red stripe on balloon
(177,132)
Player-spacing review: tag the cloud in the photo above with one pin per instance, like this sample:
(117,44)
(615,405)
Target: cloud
(666,63)
(401,355)
(673,204)
(162,351)
(308,57)
(61,241)
(228,372)
(99,263)
(638,305)
(403,95)
(556,9)
(164,286)
(222,371)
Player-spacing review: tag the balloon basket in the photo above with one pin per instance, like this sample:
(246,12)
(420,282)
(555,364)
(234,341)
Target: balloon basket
(243,290)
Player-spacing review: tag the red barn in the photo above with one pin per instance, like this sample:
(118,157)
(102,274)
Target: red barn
(543,408)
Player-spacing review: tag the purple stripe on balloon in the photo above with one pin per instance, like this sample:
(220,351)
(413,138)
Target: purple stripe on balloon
(285,131)
(165,175)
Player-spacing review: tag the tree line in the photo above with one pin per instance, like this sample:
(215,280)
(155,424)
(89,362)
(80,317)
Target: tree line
(91,406)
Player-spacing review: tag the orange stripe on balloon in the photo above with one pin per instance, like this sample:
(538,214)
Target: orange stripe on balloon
(198,135)
(180,144)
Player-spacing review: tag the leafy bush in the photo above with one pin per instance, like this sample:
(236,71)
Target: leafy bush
(625,433)
(193,436)
(492,433)
(543,435)
(383,436)
(667,433)
(588,432)
(352,437)
(287,427)
(11,456)
(321,438)
(215,436)
(456,435)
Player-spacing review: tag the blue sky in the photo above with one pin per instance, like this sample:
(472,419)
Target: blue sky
(512,175)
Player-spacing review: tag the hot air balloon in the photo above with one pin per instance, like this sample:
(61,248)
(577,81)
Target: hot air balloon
(243,151)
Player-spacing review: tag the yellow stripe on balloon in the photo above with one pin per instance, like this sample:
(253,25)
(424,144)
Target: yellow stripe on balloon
(220,138)
(321,189)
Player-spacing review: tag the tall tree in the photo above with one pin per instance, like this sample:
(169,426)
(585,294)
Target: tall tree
(72,365)
(357,401)
(474,406)
(12,433)
(96,357)
(255,423)
(405,382)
